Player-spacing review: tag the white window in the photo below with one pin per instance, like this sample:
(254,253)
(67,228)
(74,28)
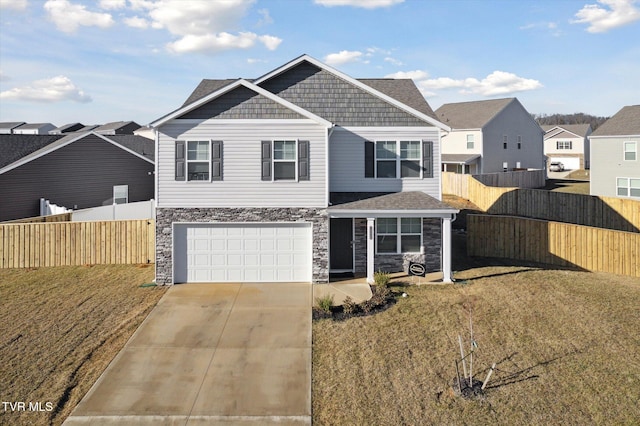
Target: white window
(120,194)
(285,163)
(398,158)
(394,239)
(198,160)
(628,187)
(563,145)
(630,151)
(470,141)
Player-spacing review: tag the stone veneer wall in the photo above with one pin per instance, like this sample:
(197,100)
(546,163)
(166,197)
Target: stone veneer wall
(166,216)
(431,239)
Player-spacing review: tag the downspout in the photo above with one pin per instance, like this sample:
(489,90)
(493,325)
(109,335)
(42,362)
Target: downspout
(326,153)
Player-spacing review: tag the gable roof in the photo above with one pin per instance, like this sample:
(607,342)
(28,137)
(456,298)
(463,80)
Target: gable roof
(26,148)
(471,115)
(206,87)
(66,128)
(406,201)
(625,122)
(228,88)
(14,147)
(117,127)
(7,126)
(555,130)
(404,90)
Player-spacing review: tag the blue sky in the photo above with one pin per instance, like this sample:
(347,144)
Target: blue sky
(97,61)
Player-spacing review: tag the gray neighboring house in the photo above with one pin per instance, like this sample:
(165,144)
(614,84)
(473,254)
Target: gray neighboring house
(67,128)
(117,128)
(73,170)
(490,136)
(6,128)
(299,173)
(568,144)
(615,160)
(33,129)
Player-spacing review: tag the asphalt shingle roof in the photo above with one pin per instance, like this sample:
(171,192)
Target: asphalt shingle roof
(578,129)
(139,144)
(624,122)
(410,200)
(15,147)
(471,115)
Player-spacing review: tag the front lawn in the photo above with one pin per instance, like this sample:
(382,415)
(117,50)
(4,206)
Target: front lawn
(566,344)
(59,329)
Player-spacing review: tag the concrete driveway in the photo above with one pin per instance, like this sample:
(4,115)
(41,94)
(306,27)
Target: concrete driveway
(212,354)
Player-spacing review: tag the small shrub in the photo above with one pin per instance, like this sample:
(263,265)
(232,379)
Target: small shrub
(381,279)
(349,307)
(367,306)
(380,296)
(325,303)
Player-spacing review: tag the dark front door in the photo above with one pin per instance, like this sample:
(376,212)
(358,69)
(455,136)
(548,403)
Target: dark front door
(341,241)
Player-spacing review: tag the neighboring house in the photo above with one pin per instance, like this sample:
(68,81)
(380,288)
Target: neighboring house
(567,143)
(117,128)
(299,173)
(6,128)
(490,136)
(67,128)
(615,155)
(75,170)
(33,129)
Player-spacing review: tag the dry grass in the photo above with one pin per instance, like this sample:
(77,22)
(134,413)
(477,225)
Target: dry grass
(568,185)
(59,329)
(566,344)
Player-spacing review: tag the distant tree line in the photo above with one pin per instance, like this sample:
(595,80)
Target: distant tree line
(576,118)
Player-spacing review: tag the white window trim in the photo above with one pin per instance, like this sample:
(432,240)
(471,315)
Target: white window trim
(187,161)
(120,187)
(564,145)
(628,187)
(473,141)
(624,150)
(274,161)
(399,235)
(397,158)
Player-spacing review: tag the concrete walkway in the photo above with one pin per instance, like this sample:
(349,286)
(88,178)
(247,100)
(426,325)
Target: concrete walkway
(211,354)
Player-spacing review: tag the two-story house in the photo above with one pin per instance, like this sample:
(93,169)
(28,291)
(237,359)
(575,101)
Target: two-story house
(299,173)
(496,135)
(568,144)
(615,156)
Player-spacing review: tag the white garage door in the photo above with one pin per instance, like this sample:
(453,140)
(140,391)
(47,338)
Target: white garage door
(224,252)
(570,163)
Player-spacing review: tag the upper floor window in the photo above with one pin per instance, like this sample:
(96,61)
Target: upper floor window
(505,140)
(470,141)
(519,142)
(563,145)
(198,160)
(284,160)
(395,159)
(628,187)
(630,151)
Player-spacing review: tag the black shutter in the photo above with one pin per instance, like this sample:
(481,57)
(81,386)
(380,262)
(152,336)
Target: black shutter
(216,160)
(180,161)
(369,159)
(303,160)
(427,159)
(266,160)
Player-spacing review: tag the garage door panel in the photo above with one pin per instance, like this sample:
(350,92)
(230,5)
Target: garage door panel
(244,252)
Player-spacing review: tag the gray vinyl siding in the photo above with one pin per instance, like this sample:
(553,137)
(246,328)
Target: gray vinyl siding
(346,154)
(242,103)
(242,184)
(336,100)
(608,164)
(514,120)
(79,175)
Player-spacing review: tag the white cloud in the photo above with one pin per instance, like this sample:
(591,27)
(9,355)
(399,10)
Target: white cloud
(136,22)
(54,89)
(393,61)
(68,16)
(496,83)
(112,4)
(551,27)
(13,4)
(414,75)
(270,42)
(213,43)
(342,57)
(266,17)
(614,14)
(366,4)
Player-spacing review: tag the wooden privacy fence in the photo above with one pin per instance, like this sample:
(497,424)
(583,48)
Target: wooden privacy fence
(517,179)
(29,245)
(602,212)
(62,217)
(554,243)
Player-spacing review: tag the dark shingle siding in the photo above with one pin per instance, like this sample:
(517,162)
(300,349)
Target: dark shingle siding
(336,100)
(242,103)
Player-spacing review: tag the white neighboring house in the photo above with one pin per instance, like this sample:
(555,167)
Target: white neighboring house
(615,155)
(569,144)
(490,136)
(33,129)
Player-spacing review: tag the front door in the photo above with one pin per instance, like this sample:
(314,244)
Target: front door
(341,244)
